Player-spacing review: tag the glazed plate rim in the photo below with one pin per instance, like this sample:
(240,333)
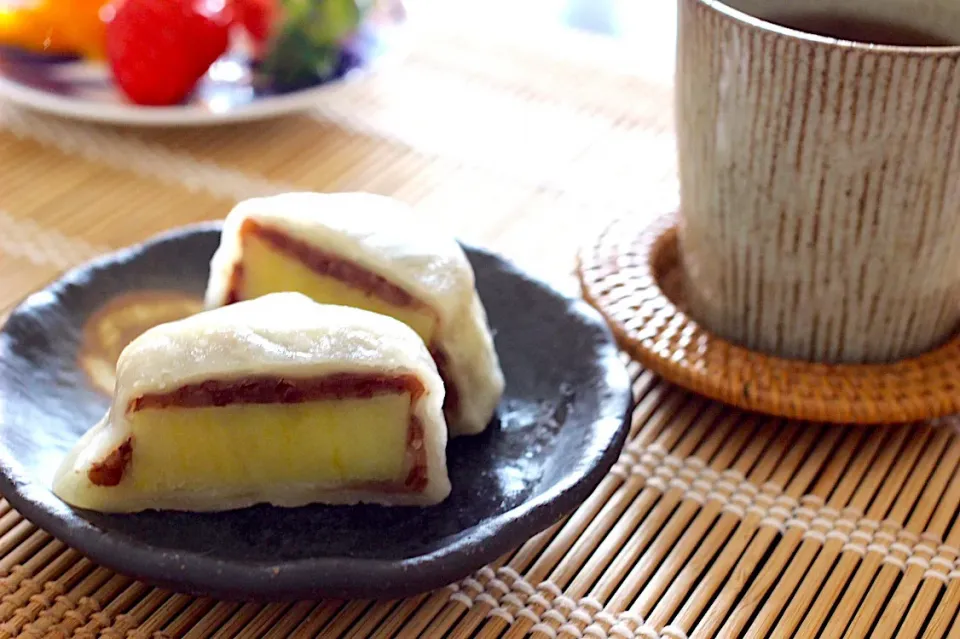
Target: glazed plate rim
(122,113)
(289,579)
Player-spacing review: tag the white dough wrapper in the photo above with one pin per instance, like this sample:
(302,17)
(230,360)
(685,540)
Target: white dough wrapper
(384,236)
(282,335)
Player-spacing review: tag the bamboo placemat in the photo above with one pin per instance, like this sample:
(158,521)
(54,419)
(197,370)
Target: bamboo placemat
(713,523)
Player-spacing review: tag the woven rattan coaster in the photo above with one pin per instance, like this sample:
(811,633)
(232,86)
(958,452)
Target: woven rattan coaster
(632,275)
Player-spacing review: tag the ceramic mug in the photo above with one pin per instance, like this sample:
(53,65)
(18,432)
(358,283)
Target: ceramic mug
(820,178)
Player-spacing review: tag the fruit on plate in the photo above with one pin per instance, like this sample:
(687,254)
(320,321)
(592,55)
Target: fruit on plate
(55,26)
(306,43)
(256,18)
(82,25)
(159,49)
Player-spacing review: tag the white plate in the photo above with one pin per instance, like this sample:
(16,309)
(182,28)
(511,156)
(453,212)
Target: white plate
(84,90)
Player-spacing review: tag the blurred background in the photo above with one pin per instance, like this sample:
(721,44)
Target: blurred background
(500,120)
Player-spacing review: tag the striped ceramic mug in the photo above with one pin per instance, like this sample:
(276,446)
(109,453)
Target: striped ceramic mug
(820,178)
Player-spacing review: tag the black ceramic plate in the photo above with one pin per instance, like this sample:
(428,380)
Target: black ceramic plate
(561,425)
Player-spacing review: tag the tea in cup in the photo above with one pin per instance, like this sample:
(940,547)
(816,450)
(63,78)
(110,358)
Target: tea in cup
(819,150)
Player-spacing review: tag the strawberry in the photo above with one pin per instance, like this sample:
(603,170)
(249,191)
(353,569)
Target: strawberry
(257,18)
(159,49)
(211,33)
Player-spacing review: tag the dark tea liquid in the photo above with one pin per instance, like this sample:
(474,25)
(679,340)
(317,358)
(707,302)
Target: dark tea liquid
(863,30)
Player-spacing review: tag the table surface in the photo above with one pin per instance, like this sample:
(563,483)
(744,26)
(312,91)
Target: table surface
(514,131)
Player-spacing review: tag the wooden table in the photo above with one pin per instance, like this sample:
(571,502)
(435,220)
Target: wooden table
(515,132)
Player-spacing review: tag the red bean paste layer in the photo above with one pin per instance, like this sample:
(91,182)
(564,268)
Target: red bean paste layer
(272,390)
(329,264)
(110,471)
(416,480)
(451,399)
(352,274)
